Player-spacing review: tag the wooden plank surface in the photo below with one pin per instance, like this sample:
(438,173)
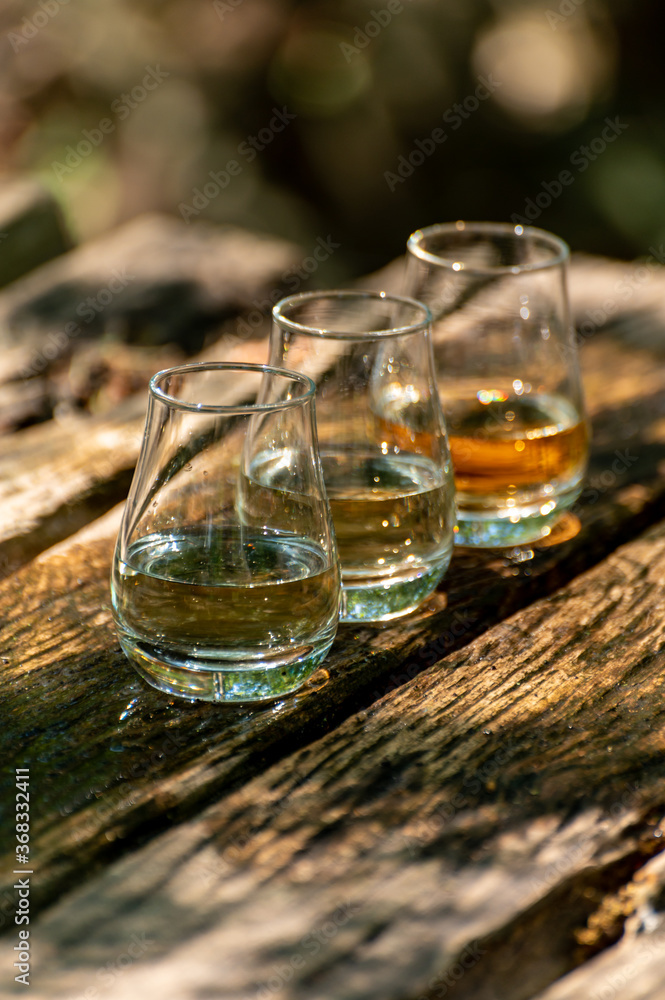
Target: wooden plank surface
(58,475)
(374,801)
(479,590)
(55,477)
(526,769)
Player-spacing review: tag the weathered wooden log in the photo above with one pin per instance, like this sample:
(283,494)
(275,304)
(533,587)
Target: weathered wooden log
(480,589)
(401,816)
(153,281)
(32,229)
(483,817)
(58,476)
(22,405)
(633,969)
(624,386)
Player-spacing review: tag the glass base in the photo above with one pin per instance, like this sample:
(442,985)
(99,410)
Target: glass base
(228,680)
(504,529)
(381,600)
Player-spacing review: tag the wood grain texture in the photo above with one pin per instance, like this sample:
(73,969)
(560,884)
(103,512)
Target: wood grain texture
(126,793)
(633,968)
(58,476)
(478,787)
(625,388)
(489,811)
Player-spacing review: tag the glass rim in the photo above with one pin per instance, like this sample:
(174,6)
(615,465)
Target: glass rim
(337,295)
(560,249)
(229,409)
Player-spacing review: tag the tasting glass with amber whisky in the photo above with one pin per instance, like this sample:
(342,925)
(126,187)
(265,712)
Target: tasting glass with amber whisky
(382,441)
(508,374)
(225,581)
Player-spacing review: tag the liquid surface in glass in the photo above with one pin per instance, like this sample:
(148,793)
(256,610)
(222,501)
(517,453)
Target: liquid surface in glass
(503,448)
(391,513)
(215,592)
(393,519)
(518,463)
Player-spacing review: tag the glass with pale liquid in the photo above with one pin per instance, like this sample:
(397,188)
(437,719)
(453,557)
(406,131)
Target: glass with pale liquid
(225,580)
(382,442)
(508,374)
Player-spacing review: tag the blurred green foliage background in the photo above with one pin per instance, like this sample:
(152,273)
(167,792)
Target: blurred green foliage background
(123,106)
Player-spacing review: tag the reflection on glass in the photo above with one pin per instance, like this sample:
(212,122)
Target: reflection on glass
(225,579)
(382,442)
(508,375)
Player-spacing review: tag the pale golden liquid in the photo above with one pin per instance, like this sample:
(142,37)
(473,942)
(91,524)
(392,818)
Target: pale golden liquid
(248,590)
(391,514)
(505,448)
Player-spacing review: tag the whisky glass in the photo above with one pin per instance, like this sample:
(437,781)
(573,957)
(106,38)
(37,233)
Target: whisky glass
(508,374)
(225,581)
(382,442)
